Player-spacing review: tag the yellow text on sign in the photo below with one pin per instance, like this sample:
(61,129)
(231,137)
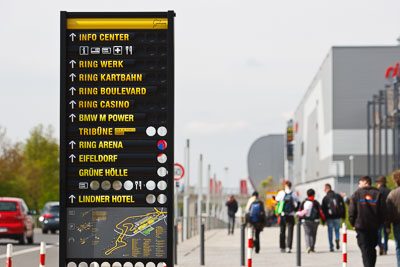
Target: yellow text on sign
(106,199)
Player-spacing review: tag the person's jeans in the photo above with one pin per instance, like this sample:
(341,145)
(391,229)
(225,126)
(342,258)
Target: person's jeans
(396,233)
(385,238)
(231,224)
(333,224)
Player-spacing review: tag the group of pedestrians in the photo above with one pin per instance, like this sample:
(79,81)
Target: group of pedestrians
(372,212)
(310,212)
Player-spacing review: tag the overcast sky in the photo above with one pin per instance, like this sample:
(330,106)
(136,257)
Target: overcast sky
(241,66)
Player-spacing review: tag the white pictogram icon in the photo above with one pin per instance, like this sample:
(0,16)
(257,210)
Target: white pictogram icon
(106,50)
(72,36)
(72,76)
(84,50)
(129,50)
(117,50)
(72,143)
(95,50)
(72,90)
(72,62)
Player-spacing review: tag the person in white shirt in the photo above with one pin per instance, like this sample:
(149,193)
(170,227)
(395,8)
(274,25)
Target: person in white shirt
(291,205)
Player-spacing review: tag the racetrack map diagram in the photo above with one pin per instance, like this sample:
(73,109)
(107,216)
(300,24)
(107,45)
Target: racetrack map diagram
(117,232)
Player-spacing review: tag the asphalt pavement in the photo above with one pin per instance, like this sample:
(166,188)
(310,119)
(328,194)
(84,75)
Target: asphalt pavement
(28,255)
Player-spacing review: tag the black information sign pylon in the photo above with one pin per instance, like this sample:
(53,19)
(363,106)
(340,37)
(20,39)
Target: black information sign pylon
(116,139)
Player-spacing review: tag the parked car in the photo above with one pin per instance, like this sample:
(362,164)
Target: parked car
(15,220)
(50,217)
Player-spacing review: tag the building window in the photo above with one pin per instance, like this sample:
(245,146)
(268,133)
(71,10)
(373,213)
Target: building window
(302,148)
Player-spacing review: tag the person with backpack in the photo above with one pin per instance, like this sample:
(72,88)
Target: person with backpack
(310,213)
(383,246)
(255,216)
(393,213)
(334,209)
(288,203)
(232,206)
(366,214)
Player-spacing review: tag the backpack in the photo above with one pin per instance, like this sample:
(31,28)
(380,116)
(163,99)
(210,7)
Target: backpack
(314,214)
(335,207)
(256,212)
(288,204)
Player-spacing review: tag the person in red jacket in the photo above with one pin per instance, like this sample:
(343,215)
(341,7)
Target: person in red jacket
(366,214)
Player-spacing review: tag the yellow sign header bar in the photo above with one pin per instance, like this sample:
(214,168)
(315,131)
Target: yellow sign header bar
(117,23)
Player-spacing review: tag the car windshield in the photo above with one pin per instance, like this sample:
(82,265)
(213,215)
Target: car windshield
(8,206)
(54,209)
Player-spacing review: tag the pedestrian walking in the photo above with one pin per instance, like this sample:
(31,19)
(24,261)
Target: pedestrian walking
(366,214)
(310,213)
(334,209)
(232,206)
(288,203)
(255,216)
(383,246)
(393,213)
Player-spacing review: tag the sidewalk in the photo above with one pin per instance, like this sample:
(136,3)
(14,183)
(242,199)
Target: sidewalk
(224,250)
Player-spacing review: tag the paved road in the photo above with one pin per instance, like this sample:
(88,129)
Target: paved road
(28,255)
(221,250)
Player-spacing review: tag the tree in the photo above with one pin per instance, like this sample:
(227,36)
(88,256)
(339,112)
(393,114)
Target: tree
(41,167)
(11,160)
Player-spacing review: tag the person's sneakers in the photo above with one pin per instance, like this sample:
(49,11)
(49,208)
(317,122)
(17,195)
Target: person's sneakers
(385,253)
(289,251)
(380,250)
(308,250)
(283,250)
(331,250)
(337,244)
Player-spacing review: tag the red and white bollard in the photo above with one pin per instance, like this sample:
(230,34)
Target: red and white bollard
(9,255)
(250,245)
(344,245)
(42,254)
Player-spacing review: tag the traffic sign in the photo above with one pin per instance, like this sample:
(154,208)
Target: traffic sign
(117,117)
(179,172)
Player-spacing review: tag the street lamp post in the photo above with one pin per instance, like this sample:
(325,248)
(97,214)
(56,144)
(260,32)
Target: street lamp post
(351,158)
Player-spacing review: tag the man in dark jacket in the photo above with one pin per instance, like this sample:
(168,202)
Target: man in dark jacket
(383,247)
(393,213)
(366,214)
(232,209)
(334,209)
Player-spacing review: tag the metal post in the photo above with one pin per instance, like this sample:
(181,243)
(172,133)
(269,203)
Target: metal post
(386,131)
(374,139)
(200,191)
(202,244)
(380,98)
(187,193)
(369,138)
(298,251)
(208,193)
(396,130)
(176,244)
(242,245)
(351,158)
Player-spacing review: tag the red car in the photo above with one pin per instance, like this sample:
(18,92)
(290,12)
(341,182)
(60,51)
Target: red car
(15,220)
